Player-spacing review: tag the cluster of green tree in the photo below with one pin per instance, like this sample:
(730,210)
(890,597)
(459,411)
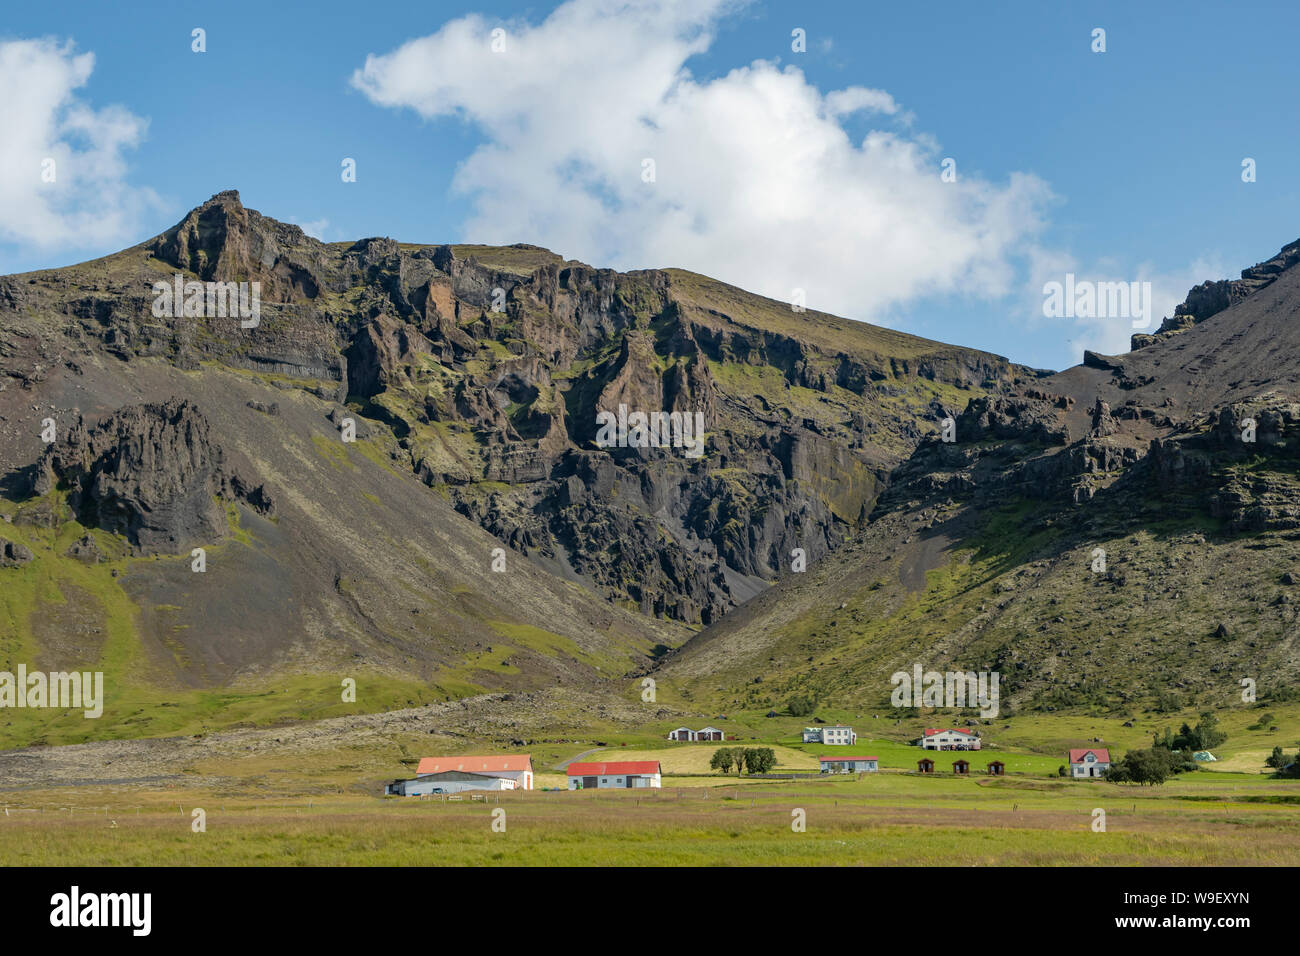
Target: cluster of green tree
(1168,754)
(1206,735)
(1152,766)
(744,759)
(1284,765)
(801,706)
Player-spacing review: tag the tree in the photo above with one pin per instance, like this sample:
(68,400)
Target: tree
(721,760)
(760,759)
(1151,766)
(739,755)
(801,706)
(1277,760)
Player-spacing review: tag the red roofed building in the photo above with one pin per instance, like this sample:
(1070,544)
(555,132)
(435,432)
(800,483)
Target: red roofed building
(949,738)
(1089,762)
(516,767)
(622,775)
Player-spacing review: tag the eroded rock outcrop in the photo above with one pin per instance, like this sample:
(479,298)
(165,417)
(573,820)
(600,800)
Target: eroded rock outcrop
(150,473)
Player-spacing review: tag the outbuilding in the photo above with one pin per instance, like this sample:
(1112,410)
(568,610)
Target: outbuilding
(849,764)
(997,768)
(925,765)
(961,766)
(515,767)
(451,781)
(617,775)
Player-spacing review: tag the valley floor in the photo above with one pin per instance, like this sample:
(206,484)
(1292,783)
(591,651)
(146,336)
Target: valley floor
(895,819)
(309,793)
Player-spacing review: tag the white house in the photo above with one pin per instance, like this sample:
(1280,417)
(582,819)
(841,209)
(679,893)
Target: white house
(517,768)
(951,738)
(682,733)
(837,734)
(849,764)
(624,775)
(1089,763)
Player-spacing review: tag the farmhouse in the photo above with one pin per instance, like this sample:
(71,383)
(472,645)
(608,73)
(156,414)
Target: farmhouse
(625,775)
(849,764)
(1089,763)
(836,734)
(514,767)
(952,738)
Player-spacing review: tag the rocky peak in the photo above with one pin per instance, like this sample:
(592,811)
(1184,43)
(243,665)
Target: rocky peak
(1212,297)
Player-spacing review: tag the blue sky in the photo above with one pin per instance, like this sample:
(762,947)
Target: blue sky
(1118,165)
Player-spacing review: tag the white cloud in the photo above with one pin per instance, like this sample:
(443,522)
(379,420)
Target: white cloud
(1111,334)
(89,202)
(316,228)
(757,181)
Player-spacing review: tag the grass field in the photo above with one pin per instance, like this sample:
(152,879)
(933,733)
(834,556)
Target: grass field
(882,819)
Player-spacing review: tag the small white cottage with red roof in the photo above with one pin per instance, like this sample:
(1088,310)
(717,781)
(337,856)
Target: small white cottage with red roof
(1089,762)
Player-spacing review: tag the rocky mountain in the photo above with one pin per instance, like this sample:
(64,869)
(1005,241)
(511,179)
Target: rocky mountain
(350,432)
(1122,534)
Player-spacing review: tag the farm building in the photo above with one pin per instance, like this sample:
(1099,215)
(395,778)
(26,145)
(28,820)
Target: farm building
(450,781)
(952,738)
(623,775)
(836,734)
(517,768)
(705,733)
(1089,763)
(997,768)
(925,765)
(849,764)
(961,766)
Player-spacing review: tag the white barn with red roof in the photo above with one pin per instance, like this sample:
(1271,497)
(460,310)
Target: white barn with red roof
(949,738)
(438,775)
(617,775)
(1092,762)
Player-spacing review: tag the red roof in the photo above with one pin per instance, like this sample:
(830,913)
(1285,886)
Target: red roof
(1076,756)
(930,731)
(838,759)
(509,763)
(616,768)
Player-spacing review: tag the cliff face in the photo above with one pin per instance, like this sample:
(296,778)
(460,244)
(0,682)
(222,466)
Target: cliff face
(1117,536)
(491,365)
